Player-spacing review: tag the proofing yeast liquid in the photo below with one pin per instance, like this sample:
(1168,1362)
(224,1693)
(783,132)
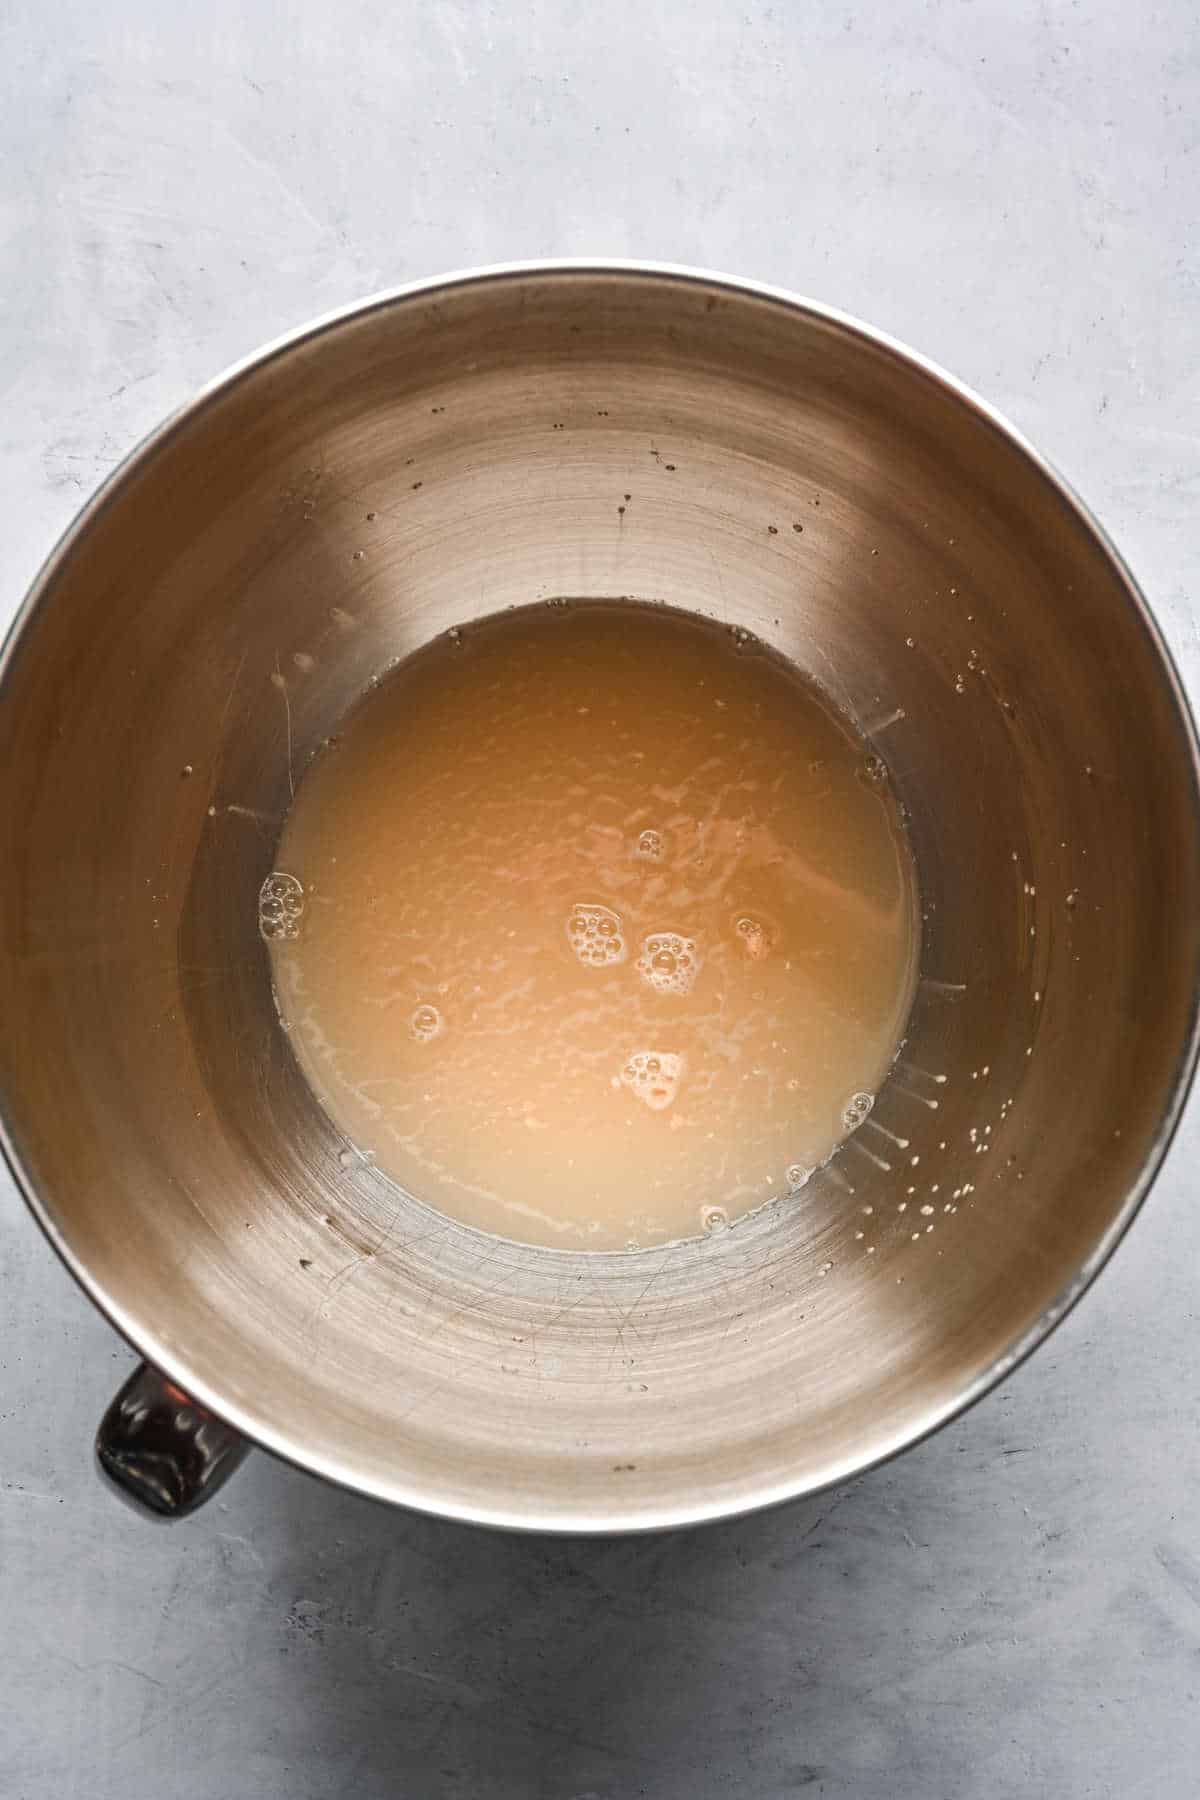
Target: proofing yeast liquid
(594,926)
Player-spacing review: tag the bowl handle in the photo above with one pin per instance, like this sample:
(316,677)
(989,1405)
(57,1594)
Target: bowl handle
(161,1451)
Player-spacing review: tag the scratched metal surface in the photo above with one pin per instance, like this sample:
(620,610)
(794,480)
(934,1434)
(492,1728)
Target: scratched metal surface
(1015,1605)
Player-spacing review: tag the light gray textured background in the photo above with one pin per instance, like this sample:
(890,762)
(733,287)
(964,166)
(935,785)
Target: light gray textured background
(1012,1609)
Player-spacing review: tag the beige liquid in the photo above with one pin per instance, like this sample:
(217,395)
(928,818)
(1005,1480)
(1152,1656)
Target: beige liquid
(607,926)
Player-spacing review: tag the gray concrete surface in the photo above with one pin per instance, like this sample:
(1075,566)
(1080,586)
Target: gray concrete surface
(1013,1608)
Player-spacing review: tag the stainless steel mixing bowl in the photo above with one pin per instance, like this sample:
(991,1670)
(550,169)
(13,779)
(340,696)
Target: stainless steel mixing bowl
(438,454)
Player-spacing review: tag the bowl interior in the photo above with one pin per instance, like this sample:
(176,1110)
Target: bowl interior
(778,469)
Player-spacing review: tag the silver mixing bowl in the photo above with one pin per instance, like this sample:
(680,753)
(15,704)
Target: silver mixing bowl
(204,625)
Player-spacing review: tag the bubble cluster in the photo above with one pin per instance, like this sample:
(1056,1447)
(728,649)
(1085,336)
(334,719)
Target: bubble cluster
(654,1076)
(874,771)
(280,904)
(856,1110)
(650,845)
(756,939)
(594,934)
(425,1022)
(669,962)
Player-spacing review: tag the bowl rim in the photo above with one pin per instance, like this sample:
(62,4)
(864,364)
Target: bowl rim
(621,1517)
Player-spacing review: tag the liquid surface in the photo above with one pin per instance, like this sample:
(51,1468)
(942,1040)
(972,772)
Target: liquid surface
(594,926)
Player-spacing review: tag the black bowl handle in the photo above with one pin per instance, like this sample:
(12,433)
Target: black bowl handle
(161,1451)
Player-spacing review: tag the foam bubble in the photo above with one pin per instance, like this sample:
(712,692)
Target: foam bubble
(280,905)
(756,939)
(798,1176)
(654,1076)
(669,962)
(714,1218)
(594,934)
(425,1022)
(856,1110)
